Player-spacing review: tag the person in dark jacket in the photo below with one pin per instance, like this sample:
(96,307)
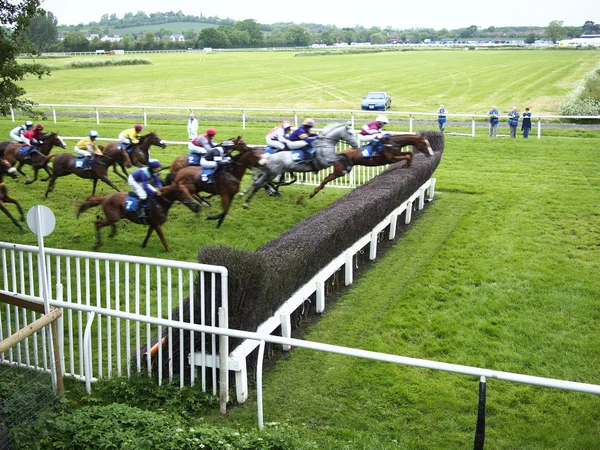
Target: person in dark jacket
(526,124)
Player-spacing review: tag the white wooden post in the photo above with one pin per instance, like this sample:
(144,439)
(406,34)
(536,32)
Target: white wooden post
(97,115)
(12,114)
(348,269)
(53,114)
(243,120)
(320,296)
(539,127)
(145,117)
(473,126)
(286,329)
(410,120)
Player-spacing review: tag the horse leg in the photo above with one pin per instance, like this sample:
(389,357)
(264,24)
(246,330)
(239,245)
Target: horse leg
(8,199)
(99,225)
(50,187)
(10,216)
(123,175)
(226,201)
(332,176)
(19,167)
(162,237)
(113,231)
(107,181)
(150,230)
(246,204)
(95,183)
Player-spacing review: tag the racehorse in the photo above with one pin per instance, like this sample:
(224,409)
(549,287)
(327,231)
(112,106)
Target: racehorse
(64,164)
(37,157)
(391,153)
(139,154)
(227,180)
(114,210)
(7,169)
(325,156)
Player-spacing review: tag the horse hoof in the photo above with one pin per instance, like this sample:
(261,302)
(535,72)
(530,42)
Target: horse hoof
(246,206)
(28,182)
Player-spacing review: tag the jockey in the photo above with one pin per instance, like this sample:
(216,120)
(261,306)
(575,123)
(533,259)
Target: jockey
(371,132)
(87,147)
(140,180)
(303,136)
(130,136)
(216,157)
(16,134)
(203,143)
(34,136)
(276,137)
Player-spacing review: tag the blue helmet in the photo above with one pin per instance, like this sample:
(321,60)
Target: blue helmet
(93,134)
(154,164)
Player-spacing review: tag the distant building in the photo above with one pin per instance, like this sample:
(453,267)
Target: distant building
(177,38)
(585,40)
(111,38)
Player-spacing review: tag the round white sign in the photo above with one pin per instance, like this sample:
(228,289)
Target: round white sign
(46,219)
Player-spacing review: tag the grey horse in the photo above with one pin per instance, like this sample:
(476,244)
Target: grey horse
(325,156)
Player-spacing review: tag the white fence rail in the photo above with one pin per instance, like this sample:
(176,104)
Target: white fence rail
(297,113)
(146,286)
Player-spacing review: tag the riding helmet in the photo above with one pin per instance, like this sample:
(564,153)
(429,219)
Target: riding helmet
(211,131)
(93,134)
(154,164)
(382,119)
(39,127)
(285,125)
(308,122)
(28,123)
(138,127)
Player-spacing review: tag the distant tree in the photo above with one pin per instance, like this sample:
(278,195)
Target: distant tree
(297,36)
(212,37)
(148,41)
(556,31)
(590,27)
(190,35)
(75,41)
(17,15)
(252,27)
(378,38)
(469,32)
(530,39)
(43,30)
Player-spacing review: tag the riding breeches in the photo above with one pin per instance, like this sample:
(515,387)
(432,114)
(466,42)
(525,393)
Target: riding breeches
(137,188)
(275,144)
(21,140)
(367,138)
(208,164)
(195,149)
(82,152)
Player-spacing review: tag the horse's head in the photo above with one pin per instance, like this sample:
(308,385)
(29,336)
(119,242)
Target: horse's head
(53,140)
(7,168)
(341,132)
(179,193)
(153,139)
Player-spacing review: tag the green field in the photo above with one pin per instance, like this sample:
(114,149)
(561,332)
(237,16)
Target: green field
(499,272)
(466,82)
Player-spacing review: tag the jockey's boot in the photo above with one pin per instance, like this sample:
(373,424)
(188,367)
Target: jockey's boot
(141,211)
(87,165)
(211,179)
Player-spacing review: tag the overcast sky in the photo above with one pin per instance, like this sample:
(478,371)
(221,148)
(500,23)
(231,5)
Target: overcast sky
(435,14)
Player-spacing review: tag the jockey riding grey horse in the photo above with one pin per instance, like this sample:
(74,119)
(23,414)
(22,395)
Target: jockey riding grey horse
(325,156)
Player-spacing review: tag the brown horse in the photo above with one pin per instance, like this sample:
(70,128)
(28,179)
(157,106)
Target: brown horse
(7,169)
(392,153)
(227,180)
(114,210)
(36,159)
(139,153)
(64,164)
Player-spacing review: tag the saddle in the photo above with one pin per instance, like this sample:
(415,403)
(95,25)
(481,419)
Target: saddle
(304,155)
(83,163)
(26,151)
(371,150)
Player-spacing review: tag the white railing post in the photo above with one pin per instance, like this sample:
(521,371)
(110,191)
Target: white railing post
(97,116)
(12,113)
(53,114)
(223,366)
(259,370)
(87,352)
(295,119)
(539,127)
(145,117)
(410,121)
(243,120)
(473,127)
(352,119)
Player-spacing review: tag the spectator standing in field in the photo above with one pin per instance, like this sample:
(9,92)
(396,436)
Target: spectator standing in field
(192,127)
(441,112)
(526,124)
(494,114)
(513,121)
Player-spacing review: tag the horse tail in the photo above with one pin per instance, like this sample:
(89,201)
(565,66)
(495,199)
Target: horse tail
(89,203)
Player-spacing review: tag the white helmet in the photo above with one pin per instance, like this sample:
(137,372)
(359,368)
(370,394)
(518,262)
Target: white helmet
(382,119)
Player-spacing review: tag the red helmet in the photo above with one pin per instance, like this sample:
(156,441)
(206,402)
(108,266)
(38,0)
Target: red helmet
(211,131)
(138,127)
(39,127)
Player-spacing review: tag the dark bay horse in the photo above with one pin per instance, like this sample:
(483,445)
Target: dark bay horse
(227,182)
(114,210)
(392,153)
(325,156)
(37,157)
(139,154)
(64,164)
(7,169)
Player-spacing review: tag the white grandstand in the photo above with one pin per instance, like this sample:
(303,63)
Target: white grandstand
(586,40)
